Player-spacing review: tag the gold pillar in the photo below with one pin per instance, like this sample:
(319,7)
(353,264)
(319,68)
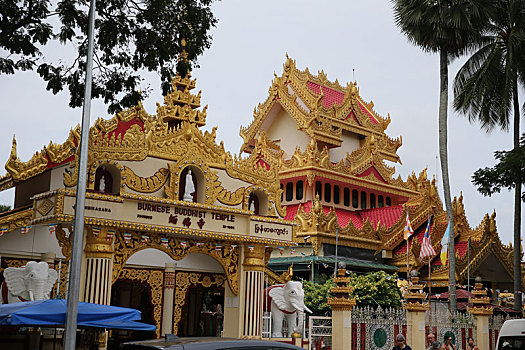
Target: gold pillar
(341,305)
(481,310)
(167,305)
(416,307)
(99,265)
(251,293)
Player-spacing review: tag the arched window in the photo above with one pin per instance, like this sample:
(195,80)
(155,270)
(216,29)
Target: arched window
(299,190)
(327,193)
(346,197)
(289,191)
(380,201)
(388,201)
(336,194)
(182,184)
(107,179)
(319,189)
(103,180)
(372,200)
(282,193)
(253,203)
(363,200)
(355,199)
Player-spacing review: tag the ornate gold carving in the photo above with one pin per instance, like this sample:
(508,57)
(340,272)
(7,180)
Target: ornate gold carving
(254,257)
(183,281)
(6,182)
(180,104)
(153,278)
(98,244)
(16,220)
(20,170)
(45,206)
(145,184)
(228,257)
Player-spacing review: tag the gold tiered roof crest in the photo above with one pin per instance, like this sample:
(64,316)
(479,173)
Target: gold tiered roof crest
(180,104)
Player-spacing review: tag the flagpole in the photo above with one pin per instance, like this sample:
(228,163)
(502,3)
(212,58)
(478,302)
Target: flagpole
(468,271)
(429,295)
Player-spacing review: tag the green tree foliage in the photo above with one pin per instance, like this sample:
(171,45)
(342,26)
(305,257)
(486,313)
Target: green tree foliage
(131,35)
(509,170)
(447,27)
(316,296)
(372,289)
(4,207)
(378,288)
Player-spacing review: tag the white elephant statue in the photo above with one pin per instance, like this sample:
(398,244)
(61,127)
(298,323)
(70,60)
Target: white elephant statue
(31,282)
(287,301)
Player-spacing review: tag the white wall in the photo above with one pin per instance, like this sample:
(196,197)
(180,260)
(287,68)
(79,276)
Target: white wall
(350,144)
(284,128)
(37,241)
(193,262)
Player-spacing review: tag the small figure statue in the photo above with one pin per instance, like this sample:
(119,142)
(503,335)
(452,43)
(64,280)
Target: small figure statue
(102,184)
(250,206)
(189,189)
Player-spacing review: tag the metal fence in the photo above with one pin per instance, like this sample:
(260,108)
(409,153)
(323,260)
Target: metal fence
(376,328)
(320,332)
(458,325)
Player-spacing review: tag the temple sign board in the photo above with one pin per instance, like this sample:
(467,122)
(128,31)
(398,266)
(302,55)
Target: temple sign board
(191,217)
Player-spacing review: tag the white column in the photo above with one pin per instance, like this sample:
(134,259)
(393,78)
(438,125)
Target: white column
(167,305)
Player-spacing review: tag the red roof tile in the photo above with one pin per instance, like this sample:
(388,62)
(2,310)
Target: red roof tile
(331,96)
(387,216)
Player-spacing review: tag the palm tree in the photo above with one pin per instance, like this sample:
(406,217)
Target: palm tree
(446,27)
(486,90)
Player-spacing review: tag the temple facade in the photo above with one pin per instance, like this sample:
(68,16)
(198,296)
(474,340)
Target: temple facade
(189,234)
(335,163)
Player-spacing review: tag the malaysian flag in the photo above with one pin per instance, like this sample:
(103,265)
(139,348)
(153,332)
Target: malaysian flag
(427,251)
(408,229)
(25,229)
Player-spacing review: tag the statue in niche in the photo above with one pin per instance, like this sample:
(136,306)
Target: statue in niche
(189,188)
(102,184)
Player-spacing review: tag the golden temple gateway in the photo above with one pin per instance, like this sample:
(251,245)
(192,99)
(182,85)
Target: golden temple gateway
(188,233)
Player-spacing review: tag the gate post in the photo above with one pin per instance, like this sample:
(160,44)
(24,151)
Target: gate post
(341,305)
(482,312)
(416,308)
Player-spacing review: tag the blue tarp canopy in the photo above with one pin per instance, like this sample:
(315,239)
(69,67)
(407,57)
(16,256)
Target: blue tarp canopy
(52,312)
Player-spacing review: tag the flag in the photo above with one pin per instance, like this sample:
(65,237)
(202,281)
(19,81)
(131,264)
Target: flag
(183,244)
(127,237)
(281,250)
(52,228)
(164,242)
(96,231)
(144,239)
(292,251)
(2,231)
(427,251)
(232,247)
(198,244)
(408,229)
(25,229)
(444,246)
(251,247)
(109,235)
(218,248)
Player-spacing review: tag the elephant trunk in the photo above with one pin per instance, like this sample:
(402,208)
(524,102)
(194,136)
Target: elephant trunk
(300,322)
(37,291)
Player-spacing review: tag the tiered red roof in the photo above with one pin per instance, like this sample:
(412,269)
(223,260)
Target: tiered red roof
(332,97)
(386,216)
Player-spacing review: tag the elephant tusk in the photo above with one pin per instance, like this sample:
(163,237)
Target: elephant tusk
(307,309)
(31,297)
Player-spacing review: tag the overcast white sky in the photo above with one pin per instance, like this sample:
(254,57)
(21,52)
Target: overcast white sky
(249,45)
